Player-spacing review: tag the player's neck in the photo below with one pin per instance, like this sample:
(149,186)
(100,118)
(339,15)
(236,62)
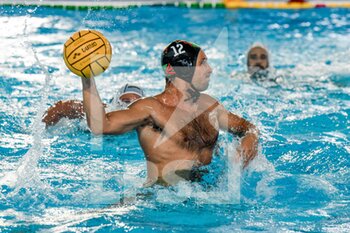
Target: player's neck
(177,92)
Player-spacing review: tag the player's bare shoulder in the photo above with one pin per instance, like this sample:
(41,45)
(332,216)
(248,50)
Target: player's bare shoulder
(208,102)
(149,104)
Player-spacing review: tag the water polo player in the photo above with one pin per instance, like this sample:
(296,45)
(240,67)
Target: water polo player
(178,128)
(73,109)
(258,61)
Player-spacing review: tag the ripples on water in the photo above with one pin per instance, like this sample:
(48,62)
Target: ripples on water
(64,178)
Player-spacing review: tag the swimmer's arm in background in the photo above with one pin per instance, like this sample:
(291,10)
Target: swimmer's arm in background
(72,109)
(117,122)
(239,126)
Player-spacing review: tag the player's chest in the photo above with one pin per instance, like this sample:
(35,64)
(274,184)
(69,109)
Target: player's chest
(183,123)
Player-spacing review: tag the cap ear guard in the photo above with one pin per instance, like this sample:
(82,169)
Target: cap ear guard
(169,71)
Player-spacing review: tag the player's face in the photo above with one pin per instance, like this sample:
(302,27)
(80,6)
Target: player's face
(128,98)
(257,58)
(202,72)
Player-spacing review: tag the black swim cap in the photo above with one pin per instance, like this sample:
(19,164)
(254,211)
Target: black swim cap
(179,60)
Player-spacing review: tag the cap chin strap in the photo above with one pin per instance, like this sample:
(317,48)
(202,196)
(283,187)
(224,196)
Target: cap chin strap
(194,93)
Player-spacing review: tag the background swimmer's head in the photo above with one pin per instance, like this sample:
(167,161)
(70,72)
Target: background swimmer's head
(126,95)
(257,58)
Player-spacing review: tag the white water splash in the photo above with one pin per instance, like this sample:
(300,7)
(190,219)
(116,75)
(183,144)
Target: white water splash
(27,174)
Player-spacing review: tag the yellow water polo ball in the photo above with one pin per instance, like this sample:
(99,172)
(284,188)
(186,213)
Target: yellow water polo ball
(87,53)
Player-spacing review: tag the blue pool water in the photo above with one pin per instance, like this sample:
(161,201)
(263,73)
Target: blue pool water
(64,179)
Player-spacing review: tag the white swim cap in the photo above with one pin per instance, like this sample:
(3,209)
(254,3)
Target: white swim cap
(116,102)
(257,45)
(133,89)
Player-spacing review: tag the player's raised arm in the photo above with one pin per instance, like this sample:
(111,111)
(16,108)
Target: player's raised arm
(93,107)
(249,133)
(117,122)
(137,114)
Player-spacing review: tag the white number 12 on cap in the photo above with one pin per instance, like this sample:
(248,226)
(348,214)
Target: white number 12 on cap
(179,51)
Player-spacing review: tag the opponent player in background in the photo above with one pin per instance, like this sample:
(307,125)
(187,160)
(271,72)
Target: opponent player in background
(258,62)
